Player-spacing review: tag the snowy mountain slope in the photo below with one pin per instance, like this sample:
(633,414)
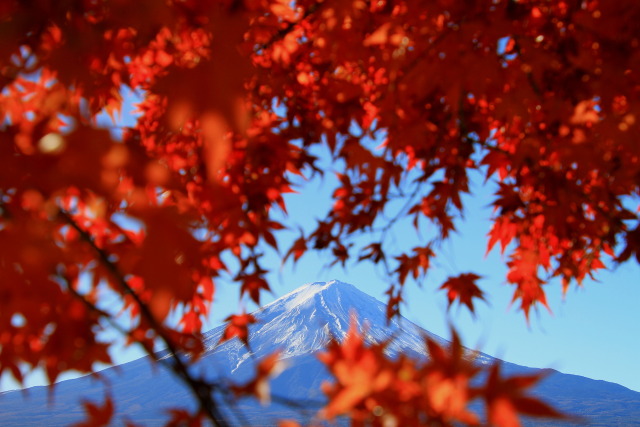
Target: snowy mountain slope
(302,321)
(298,324)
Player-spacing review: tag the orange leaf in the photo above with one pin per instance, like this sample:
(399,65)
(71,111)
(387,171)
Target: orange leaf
(379,36)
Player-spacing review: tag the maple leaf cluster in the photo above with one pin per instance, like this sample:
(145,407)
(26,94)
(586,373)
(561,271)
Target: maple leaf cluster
(373,389)
(540,97)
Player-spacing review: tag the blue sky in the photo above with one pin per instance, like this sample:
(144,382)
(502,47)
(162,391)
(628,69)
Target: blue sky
(593,332)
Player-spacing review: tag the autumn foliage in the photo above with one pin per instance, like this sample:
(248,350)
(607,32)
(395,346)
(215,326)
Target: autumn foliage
(375,390)
(539,96)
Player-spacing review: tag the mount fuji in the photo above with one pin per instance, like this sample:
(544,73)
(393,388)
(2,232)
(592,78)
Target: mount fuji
(298,325)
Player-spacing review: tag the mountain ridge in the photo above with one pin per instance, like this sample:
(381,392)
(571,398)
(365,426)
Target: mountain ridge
(297,324)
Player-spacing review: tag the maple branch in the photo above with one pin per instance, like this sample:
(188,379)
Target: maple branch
(484,144)
(201,389)
(286,30)
(529,74)
(401,213)
(229,398)
(109,319)
(163,361)
(465,134)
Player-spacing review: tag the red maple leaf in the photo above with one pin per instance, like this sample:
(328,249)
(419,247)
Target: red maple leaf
(463,289)
(238,327)
(505,399)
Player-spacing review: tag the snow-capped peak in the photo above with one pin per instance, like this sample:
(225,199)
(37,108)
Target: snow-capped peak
(306,293)
(302,321)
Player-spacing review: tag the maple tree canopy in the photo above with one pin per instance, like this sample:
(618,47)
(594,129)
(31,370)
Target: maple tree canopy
(539,96)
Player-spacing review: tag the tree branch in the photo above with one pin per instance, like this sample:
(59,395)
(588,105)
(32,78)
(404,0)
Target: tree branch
(286,30)
(200,388)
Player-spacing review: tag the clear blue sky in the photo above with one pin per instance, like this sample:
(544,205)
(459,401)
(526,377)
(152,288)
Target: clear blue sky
(594,332)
